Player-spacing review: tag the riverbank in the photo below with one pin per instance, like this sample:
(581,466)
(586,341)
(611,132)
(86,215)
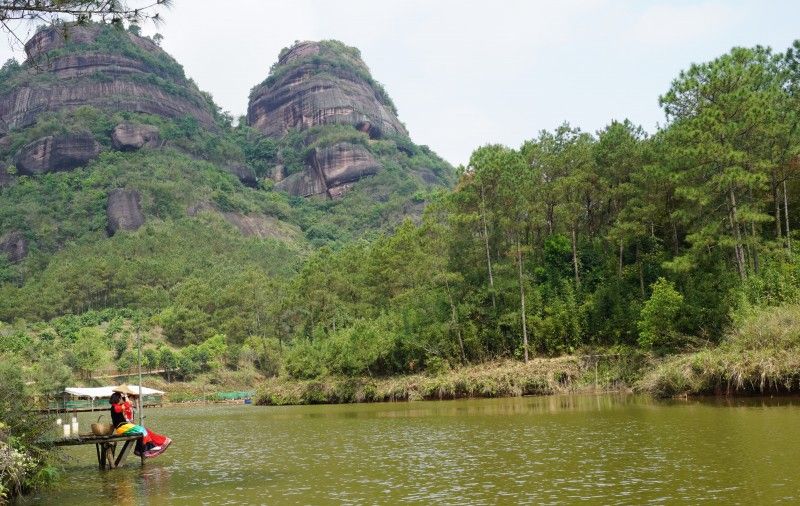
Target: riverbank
(761,356)
(540,376)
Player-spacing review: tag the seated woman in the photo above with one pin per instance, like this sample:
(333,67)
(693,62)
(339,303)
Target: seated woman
(149,443)
(159,441)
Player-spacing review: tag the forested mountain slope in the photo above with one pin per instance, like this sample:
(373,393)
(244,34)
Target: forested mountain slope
(121,182)
(280,246)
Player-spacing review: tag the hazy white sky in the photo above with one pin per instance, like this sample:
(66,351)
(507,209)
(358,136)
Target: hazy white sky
(465,73)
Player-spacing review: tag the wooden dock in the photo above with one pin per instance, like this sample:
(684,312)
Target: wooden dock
(106,447)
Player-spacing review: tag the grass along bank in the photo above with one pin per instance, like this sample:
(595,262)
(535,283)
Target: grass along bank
(540,376)
(761,355)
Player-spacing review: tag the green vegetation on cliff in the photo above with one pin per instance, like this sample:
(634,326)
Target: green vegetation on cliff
(207,279)
(333,56)
(616,243)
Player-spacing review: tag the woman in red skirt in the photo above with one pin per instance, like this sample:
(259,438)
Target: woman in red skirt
(153,444)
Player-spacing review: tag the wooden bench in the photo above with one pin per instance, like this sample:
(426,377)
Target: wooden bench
(106,447)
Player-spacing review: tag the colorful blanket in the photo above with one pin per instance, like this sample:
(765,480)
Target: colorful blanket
(129,429)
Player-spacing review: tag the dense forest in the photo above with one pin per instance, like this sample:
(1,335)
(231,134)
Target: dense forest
(573,242)
(676,247)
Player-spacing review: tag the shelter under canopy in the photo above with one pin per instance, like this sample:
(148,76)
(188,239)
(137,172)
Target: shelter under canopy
(105,392)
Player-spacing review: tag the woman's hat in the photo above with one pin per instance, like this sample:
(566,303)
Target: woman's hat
(125,389)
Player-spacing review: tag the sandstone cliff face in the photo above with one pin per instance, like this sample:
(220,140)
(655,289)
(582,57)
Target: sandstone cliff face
(244,173)
(123,211)
(5,178)
(100,66)
(14,246)
(57,153)
(332,170)
(343,163)
(315,83)
(130,137)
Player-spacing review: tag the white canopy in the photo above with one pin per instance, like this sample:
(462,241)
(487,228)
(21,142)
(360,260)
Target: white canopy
(104,392)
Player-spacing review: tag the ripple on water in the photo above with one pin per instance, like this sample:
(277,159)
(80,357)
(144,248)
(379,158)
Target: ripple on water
(552,450)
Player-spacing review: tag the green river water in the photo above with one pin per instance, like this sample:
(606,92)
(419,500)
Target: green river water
(540,450)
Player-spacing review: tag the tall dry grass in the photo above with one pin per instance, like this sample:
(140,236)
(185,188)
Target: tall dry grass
(760,355)
(495,379)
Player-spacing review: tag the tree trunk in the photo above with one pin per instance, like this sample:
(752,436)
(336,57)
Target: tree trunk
(486,243)
(737,235)
(675,244)
(777,202)
(754,240)
(755,247)
(786,217)
(575,258)
(641,271)
(522,303)
(619,267)
(454,318)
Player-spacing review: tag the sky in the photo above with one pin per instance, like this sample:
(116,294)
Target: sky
(466,73)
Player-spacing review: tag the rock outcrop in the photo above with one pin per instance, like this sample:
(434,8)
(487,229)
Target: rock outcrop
(14,245)
(302,184)
(132,136)
(252,225)
(123,211)
(57,153)
(320,83)
(262,227)
(5,178)
(332,171)
(343,163)
(244,173)
(100,66)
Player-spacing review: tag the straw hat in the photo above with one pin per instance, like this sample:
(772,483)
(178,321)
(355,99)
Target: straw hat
(125,389)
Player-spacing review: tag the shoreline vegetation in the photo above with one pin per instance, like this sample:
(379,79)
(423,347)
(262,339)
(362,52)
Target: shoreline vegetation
(495,379)
(660,263)
(761,356)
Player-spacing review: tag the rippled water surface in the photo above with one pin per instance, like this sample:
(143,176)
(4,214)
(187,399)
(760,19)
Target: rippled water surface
(554,450)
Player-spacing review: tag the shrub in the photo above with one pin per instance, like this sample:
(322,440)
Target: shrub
(265,353)
(657,323)
(24,462)
(305,361)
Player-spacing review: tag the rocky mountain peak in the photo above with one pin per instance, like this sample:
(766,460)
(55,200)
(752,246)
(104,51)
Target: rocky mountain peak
(322,89)
(58,37)
(321,83)
(97,65)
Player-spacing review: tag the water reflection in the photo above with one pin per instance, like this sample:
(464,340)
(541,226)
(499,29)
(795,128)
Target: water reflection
(607,449)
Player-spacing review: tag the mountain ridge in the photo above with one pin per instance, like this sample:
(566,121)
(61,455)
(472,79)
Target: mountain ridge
(101,175)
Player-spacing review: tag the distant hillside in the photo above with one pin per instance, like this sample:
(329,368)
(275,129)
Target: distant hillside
(121,182)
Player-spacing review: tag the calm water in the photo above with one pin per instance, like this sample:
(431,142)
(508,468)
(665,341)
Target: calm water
(554,450)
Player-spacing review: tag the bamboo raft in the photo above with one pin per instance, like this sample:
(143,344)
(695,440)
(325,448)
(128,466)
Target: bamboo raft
(106,447)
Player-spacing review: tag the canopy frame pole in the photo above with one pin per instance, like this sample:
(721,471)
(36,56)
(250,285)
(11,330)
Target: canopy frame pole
(139,360)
